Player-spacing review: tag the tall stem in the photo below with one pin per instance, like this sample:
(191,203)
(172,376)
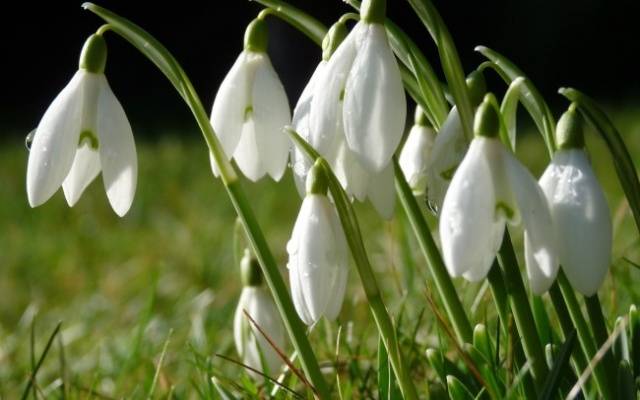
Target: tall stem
(600,334)
(522,311)
(444,285)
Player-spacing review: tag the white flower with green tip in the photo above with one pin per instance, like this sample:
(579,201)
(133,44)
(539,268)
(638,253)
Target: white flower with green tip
(83,132)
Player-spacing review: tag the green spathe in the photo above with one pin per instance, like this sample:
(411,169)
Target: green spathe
(570,130)
(487,120)
(256,37)
(317,182)
(94,54)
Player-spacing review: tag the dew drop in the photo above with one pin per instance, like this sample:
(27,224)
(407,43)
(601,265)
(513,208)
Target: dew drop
(28,140)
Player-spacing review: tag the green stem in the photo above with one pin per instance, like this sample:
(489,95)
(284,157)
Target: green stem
(444,285)
(584,335)
(163,59)
(501,298)
(522,311)
(600,334)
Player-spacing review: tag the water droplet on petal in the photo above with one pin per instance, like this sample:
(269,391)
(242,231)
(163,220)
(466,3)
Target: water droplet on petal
(28,140)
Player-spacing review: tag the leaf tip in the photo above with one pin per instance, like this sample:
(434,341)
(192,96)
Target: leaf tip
(87,5)
(480,49)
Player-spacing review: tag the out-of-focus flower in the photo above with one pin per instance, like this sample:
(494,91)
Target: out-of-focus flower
(416,153)
(83,132)
(255,300)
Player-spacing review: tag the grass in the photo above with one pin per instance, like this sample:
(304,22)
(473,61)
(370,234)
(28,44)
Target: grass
(147,301)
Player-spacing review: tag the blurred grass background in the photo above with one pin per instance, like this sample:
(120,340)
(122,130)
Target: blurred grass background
(120,286)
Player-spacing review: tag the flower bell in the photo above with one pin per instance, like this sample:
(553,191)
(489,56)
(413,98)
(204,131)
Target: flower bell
(450,145)
(375,106)
(416,153)
(252,346)
(318,257)
(489,188)
(318,119)
(251,109)
(84,131)
(579,209)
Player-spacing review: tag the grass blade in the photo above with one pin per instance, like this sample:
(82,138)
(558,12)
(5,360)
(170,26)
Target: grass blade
(36,367)
(552,383)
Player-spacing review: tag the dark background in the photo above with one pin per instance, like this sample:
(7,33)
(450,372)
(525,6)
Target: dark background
(589,44)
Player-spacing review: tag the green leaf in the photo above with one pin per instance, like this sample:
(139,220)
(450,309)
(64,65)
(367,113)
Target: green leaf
(299,19)
(541,318)
(621,344)
(449,59)
(222,392)
(387,387)
(621,158)
(553,380)
(634,328)
(457,390)
(509,108)
(483,364)
(626,385)
(529,95)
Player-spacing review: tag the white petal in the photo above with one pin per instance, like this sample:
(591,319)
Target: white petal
(582,219)
(540,241)
(448,151)
(470,228)
(326,105)
(354,178)
(415,157)
(271,113)
(248,154)
(117,151)
(55,142)
(232,100)
(300,122)
(85,168)
(294,265)
(382,193)
(240,323)
(339,286)
(374,102)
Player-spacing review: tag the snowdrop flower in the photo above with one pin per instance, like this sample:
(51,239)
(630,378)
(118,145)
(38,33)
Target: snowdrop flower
(325,132)
(317,254)
(450,145)
(579,209)
(252,346)
(375,106)
(251,109)
(416,153)
(490,188)
(84,131)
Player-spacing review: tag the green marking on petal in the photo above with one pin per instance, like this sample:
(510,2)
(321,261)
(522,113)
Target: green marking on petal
(502,207)
(342,95)
(248,112)
(89,138)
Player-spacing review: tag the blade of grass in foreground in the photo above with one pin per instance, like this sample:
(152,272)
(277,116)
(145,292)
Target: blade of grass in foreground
(168,65)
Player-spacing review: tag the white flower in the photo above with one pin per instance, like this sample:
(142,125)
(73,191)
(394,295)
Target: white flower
(448,150)
(416,155)
(490,188)
(249,113)
(251,345)
(581,219)
(317,260)
(84,131)
(374,101)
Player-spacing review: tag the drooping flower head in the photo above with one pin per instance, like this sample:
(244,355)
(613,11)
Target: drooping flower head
(251,109)
(375,106)
(255,300)
(318,118)
(416,153)
(318,257)
(490,188)
(579,209)
(83,132)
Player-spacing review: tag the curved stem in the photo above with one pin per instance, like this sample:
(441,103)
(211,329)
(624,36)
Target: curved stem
(161,57)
